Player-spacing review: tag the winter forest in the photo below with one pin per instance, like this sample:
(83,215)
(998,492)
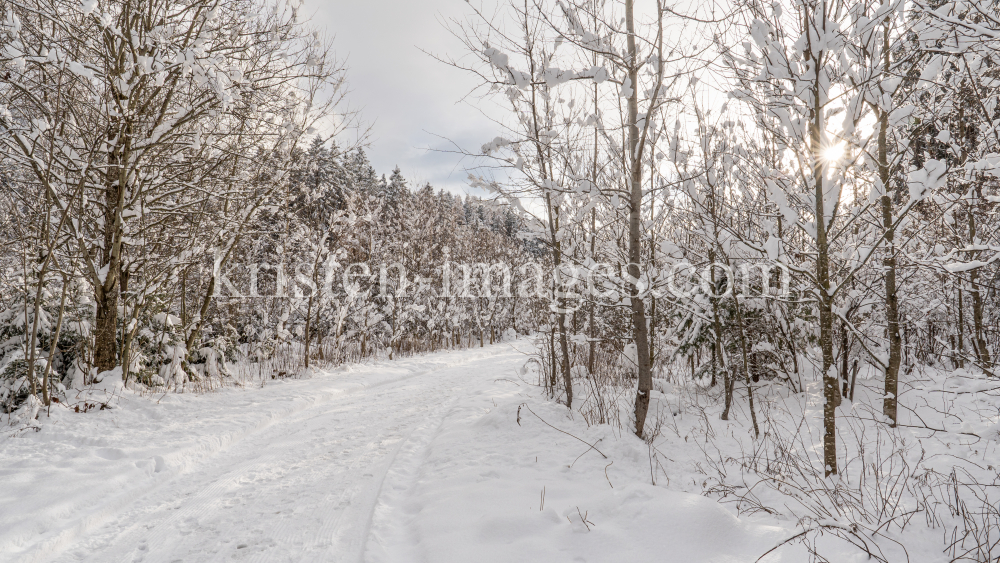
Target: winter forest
(721,284)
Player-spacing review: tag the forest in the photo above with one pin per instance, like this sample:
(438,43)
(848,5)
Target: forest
(780,217)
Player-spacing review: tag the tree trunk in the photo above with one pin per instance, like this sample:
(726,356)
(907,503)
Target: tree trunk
(746,367)
(564,349)
(106,290)
(32,341)
(592,329)
(891,299)
(552,353)
(592,338)
(202,314)
(717,349)
(54,345)
(823,297)
(845,344)
(105,325)
(961,328)
(982,351)
(307,334)
(891,314)
(640,332)
(831,392)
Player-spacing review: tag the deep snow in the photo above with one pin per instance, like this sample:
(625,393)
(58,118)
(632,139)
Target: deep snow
(423,459)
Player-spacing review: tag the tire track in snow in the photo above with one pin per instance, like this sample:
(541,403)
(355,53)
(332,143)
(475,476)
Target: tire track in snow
(206,492)
(123,490)
(154,525)
(372,502)
(392,537)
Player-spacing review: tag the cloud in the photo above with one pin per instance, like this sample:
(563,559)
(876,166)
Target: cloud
(412,100)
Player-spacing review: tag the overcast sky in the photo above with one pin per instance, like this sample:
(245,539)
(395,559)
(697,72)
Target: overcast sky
(410,98)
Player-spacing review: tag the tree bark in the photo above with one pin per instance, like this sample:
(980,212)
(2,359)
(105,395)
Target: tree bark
(32,340)
(960,354)
(591,328)
(824,299)
(54,345)
(746,367)
(845,346)
(116,176)
(307,335)
(640,332)
(891,299)
(982,350)
(717,348)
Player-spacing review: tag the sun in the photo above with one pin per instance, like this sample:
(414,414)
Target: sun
(833,153)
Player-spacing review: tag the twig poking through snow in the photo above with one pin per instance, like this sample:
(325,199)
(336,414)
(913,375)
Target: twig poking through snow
(525,405)
(583,518)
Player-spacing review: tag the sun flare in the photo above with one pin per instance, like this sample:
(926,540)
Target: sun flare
(833,153)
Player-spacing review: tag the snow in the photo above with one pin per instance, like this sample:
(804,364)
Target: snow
(927,179)
(458,456)
(957,267)
(477,495)
(442,457)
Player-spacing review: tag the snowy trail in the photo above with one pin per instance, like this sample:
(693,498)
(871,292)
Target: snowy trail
(425,459)
(305,485)
(301,487)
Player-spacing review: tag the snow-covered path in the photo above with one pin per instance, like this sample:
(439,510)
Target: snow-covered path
(422,459)
(290,472)
(303,488)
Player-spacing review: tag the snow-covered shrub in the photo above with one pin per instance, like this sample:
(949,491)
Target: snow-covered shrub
(64,355)
(15,385)
(895,485)
(211,360)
